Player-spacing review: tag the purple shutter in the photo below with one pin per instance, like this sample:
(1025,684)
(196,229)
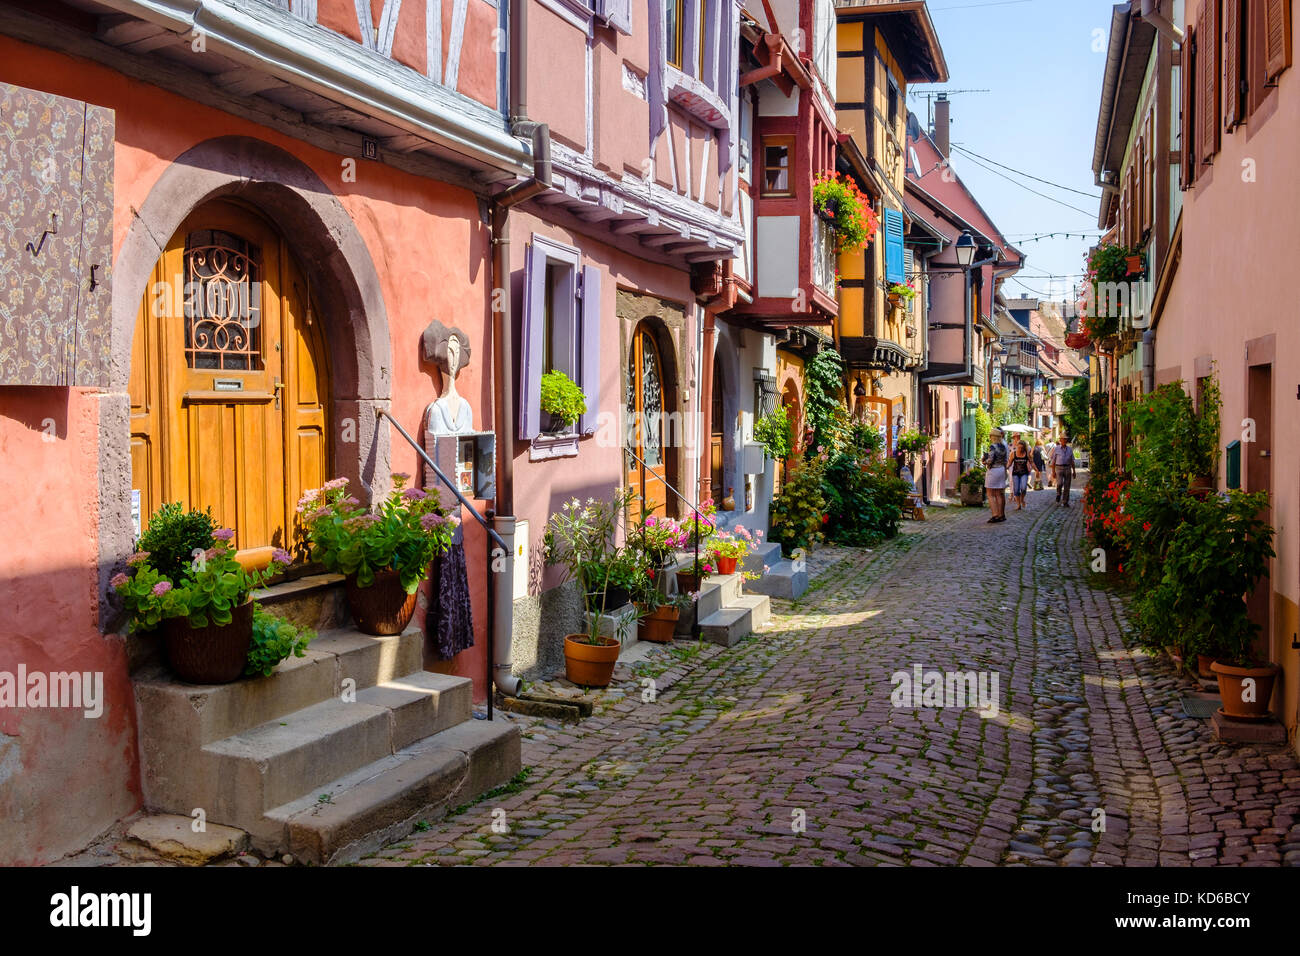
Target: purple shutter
(617,13)
(530,361)
(589,356)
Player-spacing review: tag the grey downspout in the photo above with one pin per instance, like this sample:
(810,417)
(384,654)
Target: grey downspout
(1148,361)
(503,351)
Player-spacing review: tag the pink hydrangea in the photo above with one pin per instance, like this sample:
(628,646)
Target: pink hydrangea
(223,534)
(414,494)
(140,557)
(118,580)
(280,556)
(161,588)
(335,483)
(430,521)
(350,501)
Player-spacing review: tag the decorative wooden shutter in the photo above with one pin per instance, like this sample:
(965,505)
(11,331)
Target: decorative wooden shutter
(530,360)
(617,13)
(589,344)
(1187,128)
(1208,55)
(1233,64)
(1277,37)
(56,161)
(894,269)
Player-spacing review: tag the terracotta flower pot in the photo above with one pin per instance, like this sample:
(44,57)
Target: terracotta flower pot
(726,565)
(688,582)
(590,665)
(1134,264)
(215,654)
(384,607)
(1232,689)
(659,625)
(1203,664)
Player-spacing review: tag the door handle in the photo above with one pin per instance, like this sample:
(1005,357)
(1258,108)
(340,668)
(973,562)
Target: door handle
(278,386)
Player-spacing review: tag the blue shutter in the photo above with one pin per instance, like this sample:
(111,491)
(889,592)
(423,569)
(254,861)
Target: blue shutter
(895,271)
(533,335)
(589,347)
(617,13)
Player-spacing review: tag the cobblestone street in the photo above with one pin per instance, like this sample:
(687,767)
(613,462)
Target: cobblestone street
(797,720)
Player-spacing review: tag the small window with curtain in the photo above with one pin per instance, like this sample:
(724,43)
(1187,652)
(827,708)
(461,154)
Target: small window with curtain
(778,156)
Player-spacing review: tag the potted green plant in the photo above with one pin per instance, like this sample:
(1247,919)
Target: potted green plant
(204,607)
(383,554)
(580,539)
(774,432)
(732,547)
(659,613)
(914,441)
(900,295)
(799,514)
(562,400)
(274,640)
(970,486)
(613,578)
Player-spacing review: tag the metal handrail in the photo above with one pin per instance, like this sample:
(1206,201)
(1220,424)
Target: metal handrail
(483,521)
(695,625)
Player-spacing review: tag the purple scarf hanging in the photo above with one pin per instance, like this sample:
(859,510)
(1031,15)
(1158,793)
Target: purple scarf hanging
(450,625)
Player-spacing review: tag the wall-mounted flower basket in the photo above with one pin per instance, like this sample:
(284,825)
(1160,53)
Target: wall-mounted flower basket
(845,208)
(1077,340)
(1136,265)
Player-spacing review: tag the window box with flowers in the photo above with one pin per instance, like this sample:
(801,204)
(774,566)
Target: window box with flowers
(901,295)
(845,208)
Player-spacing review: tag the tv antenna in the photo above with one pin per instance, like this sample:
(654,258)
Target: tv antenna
(930,97)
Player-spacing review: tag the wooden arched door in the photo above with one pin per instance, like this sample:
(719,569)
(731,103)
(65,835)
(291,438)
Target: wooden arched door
(229,380)
(717,431)
(645,409)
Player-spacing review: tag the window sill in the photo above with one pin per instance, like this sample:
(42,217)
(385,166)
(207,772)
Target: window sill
(545,447)
(697,99)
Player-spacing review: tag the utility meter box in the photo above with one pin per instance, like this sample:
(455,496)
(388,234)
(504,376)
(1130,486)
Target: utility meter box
(753,459)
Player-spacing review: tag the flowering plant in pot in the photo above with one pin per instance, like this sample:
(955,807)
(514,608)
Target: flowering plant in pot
(202,605)
(699,527)
(914,440)
(658,537)
(846,209)
(580,539)
(970,486)
(901,294)
(689,579)
(731,547)
(384,554)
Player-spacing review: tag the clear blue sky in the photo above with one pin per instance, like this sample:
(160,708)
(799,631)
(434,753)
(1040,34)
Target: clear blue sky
(1042,61)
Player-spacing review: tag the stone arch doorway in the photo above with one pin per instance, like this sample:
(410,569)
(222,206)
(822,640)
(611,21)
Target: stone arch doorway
(794,411)
(655,433)
(341,277)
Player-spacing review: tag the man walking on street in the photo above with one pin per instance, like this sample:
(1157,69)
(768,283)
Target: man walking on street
(1063,469)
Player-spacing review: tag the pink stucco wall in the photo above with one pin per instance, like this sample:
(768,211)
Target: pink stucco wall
(1239,250)
(48,574)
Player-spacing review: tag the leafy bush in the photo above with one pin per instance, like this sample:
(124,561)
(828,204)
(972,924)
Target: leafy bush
(1214,559)
(823,409)
(274,639)
(775,433)
(173,536)
(403,534)
(864,499)
(972,479)
(562,399)
(983,429)
(798,514)
(1075,411)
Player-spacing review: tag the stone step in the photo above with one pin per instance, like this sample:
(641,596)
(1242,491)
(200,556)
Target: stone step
(191,715)
(421,704)
(385,799)
(727,626)
(766,554)
(781,581)
(282,760)
(313,600)
(760,608)
(718,591)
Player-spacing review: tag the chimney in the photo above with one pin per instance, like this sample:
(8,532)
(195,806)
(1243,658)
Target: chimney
(942,120)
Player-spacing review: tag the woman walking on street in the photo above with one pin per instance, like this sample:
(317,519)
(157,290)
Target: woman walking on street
(1039,465)
(997,458)
(1020,465)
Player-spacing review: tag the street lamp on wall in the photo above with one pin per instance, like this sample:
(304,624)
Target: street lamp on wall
(965,249)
